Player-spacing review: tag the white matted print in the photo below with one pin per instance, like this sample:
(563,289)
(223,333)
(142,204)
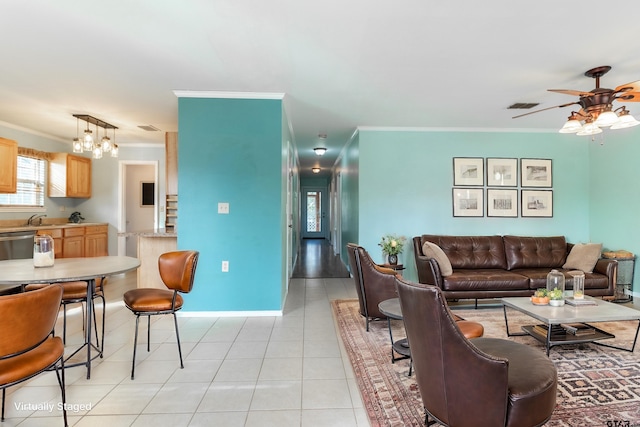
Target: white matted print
(537,203)
(535,173)
(502,172)
(502,203)
(468,171)
(468,202)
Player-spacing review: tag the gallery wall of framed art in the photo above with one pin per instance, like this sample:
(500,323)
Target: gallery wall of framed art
(502,187)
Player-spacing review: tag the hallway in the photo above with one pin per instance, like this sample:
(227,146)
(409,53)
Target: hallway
(317,260)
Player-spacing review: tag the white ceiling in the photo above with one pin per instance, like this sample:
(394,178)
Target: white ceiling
(342,64)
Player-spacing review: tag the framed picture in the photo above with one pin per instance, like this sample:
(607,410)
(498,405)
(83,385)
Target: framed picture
(468,171)
(502,172)
(147,194)
(535,173)
(537,203)
(502,202)
(468,202)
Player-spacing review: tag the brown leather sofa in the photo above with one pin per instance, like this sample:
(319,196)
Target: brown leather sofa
(503,266)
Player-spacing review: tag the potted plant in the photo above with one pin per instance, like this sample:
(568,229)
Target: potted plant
(540,297)
(392,246)
(556,297)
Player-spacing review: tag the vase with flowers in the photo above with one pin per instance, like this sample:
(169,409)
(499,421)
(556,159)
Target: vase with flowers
(392,246)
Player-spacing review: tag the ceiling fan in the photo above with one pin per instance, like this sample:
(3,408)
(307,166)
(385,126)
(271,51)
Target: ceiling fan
(597,109)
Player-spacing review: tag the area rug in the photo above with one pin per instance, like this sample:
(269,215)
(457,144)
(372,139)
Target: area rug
(597,386)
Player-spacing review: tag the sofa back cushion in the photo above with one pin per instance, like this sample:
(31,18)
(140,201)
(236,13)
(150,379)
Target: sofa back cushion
(535,252)
(471,251)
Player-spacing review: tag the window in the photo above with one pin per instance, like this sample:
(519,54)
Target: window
(30,191)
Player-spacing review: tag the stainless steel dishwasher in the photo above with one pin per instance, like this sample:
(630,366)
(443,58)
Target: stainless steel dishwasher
(16,245)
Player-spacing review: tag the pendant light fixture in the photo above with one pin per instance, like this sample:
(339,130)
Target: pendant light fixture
(88,144)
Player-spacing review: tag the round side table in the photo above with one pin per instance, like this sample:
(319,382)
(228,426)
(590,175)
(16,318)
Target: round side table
(391,309)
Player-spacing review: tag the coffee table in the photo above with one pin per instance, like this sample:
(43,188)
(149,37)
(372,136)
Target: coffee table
(553,317)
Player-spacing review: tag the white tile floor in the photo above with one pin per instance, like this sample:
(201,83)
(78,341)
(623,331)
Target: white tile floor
(260,371)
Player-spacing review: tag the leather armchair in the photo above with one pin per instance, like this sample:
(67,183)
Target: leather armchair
(480,382)
(374,283)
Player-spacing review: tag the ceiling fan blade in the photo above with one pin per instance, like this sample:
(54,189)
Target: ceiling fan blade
(545,109)
(629,97)
(571,92)
(633,86)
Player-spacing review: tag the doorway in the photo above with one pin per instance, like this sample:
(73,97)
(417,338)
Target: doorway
(139,203)
(314,211)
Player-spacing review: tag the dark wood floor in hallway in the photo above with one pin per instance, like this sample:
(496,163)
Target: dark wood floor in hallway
(316,260)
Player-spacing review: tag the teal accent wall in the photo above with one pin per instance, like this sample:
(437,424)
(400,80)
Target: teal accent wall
(232,150)
(349,170)
(405,182)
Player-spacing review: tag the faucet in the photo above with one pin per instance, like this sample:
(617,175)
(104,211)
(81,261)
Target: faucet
(33,218)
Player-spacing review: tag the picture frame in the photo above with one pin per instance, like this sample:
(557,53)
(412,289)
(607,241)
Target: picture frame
(502,172)
(502,202)
(536,203)
(536,173)
(147,194)
(468,171)
(468,202)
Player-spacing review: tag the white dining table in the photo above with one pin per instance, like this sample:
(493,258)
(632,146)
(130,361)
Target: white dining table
(20,272)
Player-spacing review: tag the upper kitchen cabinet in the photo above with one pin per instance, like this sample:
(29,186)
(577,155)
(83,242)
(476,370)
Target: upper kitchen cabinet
(8,165)
(69,176)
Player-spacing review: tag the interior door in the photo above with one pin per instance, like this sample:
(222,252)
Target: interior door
(315,208)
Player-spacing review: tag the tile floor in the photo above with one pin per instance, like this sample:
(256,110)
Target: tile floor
(260,371)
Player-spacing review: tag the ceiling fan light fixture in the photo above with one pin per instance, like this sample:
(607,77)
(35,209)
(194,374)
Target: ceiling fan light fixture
(625,120)
(589,128)
(571,126)
(606,118)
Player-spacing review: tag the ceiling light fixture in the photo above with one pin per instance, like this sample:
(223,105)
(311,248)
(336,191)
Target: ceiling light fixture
(315,170)
(320,151)
(597,111)
(88,144)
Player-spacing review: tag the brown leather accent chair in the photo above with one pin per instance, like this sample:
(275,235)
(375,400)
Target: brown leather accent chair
(374,283)
(177,271)
(76,293)
(473,382)
(27,344)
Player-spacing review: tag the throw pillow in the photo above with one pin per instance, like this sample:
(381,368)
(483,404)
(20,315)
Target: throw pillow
(583,256)
(431,250)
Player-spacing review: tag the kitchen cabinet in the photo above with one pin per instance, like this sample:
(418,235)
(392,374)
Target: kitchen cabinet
(73,242)
(69,176)
(96,240)
(8,165)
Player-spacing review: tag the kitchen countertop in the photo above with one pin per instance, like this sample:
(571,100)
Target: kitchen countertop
(8,229)
(149,233)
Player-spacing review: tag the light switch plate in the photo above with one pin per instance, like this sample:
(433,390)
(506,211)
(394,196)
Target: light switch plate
(223,208)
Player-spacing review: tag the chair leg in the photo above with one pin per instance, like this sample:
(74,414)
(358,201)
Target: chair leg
(64,324)
(148,333)
(99,342)
(135,345)
(61,382)
(175,321)
(4,391)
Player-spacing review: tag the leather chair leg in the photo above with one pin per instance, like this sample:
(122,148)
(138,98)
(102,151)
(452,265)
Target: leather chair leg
(175,321)
(135,345)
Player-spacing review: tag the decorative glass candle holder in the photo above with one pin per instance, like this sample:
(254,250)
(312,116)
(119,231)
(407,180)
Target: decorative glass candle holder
(43,251)
(555,288)
(578,284)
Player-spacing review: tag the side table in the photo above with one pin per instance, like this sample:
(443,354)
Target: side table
(391,309)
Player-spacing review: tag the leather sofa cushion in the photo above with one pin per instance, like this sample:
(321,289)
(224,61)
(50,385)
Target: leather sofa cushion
(484,280)
(535,252)
(471,252)
(538,278)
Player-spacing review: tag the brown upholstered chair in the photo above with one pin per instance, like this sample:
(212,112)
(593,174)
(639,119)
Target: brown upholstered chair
(479,382)
(27,344)
(177,271)
(76,293)
(374,284)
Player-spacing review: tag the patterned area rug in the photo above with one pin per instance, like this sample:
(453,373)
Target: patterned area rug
(597,386)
